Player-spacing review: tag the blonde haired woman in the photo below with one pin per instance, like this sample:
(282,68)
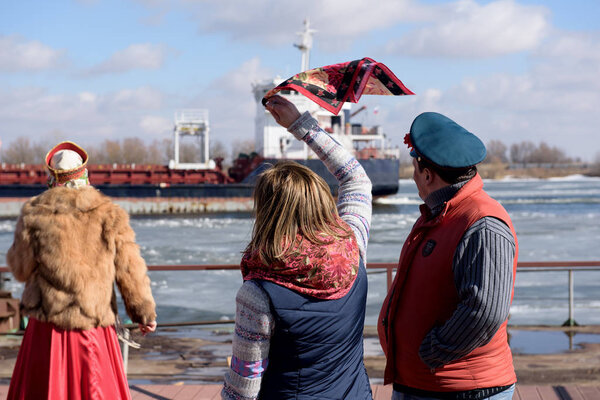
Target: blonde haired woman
(300,312)
(71,245)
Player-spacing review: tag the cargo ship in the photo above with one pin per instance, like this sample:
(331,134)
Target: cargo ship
(207,186)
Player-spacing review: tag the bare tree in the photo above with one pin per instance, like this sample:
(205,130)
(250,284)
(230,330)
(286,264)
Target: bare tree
(125,151)
(595,170)
(217,150)
(134,151)
(548,155)
(242,146)
(496,152)
(112,152)
(95,154)
(520,152)
(156,154)
(189,152)
(19,151)
(167,149)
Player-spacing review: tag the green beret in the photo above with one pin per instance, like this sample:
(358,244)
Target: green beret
(445,143)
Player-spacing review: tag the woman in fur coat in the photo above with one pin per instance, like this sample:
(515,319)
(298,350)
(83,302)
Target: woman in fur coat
(71,245)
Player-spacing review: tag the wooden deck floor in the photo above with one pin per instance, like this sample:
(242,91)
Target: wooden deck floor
(207,392)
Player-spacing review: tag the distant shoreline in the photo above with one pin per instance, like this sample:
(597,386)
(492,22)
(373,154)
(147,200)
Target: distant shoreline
(500,171)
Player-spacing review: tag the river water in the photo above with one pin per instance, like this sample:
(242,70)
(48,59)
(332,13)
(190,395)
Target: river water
(555,220)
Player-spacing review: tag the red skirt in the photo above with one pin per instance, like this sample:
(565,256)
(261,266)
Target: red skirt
(60,364)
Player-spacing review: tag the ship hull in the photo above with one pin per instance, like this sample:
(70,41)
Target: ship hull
(148,199)
(384,174)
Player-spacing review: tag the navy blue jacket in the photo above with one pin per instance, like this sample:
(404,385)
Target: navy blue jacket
(316,351)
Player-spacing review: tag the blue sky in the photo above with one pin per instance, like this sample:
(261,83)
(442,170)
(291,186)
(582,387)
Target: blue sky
(93,70)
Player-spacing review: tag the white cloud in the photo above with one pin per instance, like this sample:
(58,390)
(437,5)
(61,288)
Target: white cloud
(154,125)
(83,117)
(231,103)
(136,56)
(556,101)
(572,61)
(153,3)
(87,97)
(573,46)
(467,29)
(89,117)
(463,28)
(338,22)
(431,97)
(17,54)
(144,98)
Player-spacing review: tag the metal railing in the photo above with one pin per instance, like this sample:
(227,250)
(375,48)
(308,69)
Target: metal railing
(388,268)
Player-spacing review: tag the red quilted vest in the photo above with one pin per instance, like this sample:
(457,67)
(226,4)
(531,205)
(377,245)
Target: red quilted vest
(424,295)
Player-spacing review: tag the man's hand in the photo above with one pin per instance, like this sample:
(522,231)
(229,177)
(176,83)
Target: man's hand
(149,327)
(284,112)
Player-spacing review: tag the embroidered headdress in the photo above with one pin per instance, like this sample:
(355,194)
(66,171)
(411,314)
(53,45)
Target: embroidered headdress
(66,163)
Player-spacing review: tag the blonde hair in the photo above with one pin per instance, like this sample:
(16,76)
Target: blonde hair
(289,199)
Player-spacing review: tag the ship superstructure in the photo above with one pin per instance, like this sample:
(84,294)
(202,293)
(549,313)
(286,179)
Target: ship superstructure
(274,142)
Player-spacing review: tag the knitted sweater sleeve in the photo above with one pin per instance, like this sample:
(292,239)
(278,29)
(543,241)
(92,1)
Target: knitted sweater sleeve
(354,201)
(251,339)
(483,275)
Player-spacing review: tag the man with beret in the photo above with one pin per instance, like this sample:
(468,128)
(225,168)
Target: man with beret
(443,323)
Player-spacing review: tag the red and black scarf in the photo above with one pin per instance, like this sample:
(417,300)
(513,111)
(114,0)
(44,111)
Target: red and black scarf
(332,85)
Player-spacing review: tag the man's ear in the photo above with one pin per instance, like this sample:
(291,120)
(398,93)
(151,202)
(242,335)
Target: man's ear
(428,175)
(431,178)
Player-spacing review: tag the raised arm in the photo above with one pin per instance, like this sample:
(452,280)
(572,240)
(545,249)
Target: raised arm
(354,194)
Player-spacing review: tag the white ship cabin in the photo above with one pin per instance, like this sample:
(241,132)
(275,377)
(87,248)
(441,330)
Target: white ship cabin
(274,141)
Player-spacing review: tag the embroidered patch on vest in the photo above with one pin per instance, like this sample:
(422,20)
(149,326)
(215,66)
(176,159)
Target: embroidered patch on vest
(428,248)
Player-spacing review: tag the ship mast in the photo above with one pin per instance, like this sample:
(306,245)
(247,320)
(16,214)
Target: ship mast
(305,44)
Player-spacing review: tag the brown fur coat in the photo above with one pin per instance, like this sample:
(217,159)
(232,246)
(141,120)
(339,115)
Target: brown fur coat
(70,246)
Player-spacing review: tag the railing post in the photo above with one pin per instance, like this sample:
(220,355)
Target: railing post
(571,321)
(389,277)
(125,349)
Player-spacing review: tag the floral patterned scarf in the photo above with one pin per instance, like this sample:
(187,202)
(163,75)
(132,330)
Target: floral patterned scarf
(323,271)
(332,85)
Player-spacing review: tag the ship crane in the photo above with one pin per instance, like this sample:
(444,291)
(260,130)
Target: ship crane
(192,122)
(358,111)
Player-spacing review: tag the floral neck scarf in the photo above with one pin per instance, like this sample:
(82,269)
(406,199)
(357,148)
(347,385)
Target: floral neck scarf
(324,271)
(76,182)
